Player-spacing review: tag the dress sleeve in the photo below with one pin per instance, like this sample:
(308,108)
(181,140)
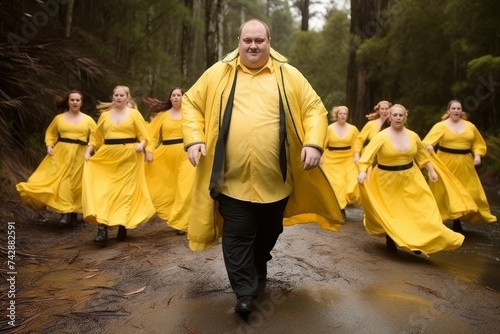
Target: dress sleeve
(97,136)
(142,130)
(91,126)
(355,134)
(434,135)
(423,155)
(362,137)
(52,133)
(154,127)
(479,144)
(370,151)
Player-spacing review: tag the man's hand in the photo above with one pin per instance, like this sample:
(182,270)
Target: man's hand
(194,151)
(310,156)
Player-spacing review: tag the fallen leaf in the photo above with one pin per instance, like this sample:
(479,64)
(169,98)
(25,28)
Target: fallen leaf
(90,276)
(134,292)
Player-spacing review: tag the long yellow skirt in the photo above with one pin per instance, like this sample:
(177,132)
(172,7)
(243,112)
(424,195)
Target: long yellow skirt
(462,167)
(57,182)
(170,181)
(342,173)
(114,187)
(453,200)
(401,205)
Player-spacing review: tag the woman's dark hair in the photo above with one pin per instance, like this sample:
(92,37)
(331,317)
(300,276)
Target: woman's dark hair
(155,105)
(62,102)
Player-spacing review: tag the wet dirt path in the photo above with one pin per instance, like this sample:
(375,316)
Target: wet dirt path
(319,282)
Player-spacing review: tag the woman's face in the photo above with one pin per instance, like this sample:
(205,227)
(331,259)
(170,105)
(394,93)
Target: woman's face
(383,110)
(74,102)
(176,98)
(455,111)
(397,117)
(120,98)
(342,115)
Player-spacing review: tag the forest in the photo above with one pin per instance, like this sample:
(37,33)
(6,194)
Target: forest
(420,53)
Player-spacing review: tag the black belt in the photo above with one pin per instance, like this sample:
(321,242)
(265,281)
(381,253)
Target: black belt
(172,141)
(395,168)
(454,151)
(120,141)
(72,141)
(343,148)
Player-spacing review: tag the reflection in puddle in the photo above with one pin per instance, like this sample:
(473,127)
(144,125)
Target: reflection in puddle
(479,257)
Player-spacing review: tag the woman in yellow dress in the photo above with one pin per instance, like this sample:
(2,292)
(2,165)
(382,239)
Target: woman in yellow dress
(397,200)
(376,122)
(57,182)
(338,161)
(170,177)
(460,148)
(115,192)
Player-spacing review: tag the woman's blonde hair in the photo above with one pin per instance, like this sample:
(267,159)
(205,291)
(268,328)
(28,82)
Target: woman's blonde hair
(405,112)
(335,111)
(376,110)
(105,106)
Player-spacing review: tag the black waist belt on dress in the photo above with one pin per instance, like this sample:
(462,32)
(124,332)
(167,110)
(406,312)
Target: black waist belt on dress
(395,168)
(453,150)
(172,141)
(72,141)
(343,148)
(120,141)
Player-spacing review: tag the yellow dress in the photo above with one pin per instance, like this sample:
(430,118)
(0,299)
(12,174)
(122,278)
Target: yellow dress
(400,203)
(114,185)
(368,131)
(340,168)
(462,165)
(170,176)
(57,182)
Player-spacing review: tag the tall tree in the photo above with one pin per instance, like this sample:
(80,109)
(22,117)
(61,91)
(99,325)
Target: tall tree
(214,21)
(366,22)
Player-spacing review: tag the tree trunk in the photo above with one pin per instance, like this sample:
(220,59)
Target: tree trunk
(187,41)
(69,18)
(365,23)
(304,26)
(214,22)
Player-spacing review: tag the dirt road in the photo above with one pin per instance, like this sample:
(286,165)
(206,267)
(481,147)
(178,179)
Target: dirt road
(319,282)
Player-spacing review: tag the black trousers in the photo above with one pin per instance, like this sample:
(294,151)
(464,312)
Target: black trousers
(249,235)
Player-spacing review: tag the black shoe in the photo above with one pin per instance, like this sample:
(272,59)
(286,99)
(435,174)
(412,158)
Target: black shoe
(244,306)
(65,218)
(457,226)
(180,232)
(122,233)
(102,236)
(73,219)
(417,252)
(390,244)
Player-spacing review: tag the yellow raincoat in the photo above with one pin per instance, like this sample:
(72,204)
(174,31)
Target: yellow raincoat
(312,198)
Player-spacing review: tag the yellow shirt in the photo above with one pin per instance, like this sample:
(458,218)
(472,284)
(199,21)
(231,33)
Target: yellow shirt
(251,171)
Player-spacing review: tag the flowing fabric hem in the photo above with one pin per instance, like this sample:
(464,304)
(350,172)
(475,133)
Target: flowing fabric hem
(308,218)
(92,219)
(201,245)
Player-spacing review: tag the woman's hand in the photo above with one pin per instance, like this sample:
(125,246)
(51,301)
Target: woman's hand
(477,160)
(361,177)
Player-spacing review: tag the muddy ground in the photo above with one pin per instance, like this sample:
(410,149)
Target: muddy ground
(319,282)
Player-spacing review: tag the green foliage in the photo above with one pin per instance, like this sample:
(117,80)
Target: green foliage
(322,57)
